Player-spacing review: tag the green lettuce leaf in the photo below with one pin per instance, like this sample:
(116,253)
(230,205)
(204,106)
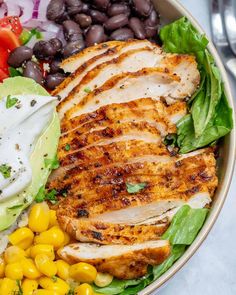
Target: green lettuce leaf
(183,230)
(205,124)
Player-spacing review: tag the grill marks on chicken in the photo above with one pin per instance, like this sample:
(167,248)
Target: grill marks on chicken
(112,137)
(125,262)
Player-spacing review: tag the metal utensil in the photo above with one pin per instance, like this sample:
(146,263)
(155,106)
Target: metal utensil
(220,37)
(230,22)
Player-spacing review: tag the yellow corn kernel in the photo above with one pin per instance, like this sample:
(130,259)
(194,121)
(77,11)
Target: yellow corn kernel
(62,269)
(29,286)
(22,237)
(53,218)
(66,239)
(45,265)
(9,287)
(54,284)
(30,270)
(103,279)
(14,271)
(54,236)
(2,267)
(13,254)
(84,289)
(83,272)
(42,249)
(28,252)
(46,292)
(39,217)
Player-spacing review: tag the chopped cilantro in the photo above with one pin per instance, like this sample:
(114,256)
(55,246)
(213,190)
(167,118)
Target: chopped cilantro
(14,72)
(52,163)
(11,101)
(54,278)
(27,35)
(40,195)
(67,147)
(87,90)
(5,171)
(20,291)
(133,188)
(51,196)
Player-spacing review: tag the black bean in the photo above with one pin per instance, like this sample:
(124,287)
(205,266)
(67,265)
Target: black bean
(122,34)
(98,17)
(19,55)
(55,66)
(116,22)
(73,48)
(85,8)
(55,9)
(56,43)
(101,4)
(143,7)
(153,19)
(95,35)
(83,20)
(118,8)
(72,31)
(73,6)
(44,50)
(33,71)
(138,28)
(52,81)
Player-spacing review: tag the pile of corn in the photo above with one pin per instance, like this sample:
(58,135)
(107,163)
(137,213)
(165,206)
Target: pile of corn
(30,266)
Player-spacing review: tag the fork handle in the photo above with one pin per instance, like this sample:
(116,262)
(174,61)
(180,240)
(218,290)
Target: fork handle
(231,66)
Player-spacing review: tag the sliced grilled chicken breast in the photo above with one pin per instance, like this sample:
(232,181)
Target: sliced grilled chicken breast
(74,80)
(125,226)
(135,110)
(72,63)
(123,262)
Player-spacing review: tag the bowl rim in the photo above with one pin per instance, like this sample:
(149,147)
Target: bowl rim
(223,191)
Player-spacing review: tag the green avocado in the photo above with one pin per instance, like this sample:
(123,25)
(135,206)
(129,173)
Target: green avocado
(46,145)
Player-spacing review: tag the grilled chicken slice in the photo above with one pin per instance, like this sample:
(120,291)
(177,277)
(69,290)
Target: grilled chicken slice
(72,63)
(86,68)
(123,262)
(146,109)
(124,228)
(148,82)
(114,133)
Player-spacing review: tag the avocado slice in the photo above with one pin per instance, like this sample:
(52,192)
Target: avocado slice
(47,144)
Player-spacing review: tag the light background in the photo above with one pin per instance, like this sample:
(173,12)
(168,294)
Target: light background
(212,270)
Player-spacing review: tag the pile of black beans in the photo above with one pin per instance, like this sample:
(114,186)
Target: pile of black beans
(84,24)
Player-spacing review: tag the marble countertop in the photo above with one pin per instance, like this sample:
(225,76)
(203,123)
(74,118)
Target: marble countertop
(212,270)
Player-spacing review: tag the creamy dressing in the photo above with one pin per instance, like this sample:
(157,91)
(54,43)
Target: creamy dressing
(20,127)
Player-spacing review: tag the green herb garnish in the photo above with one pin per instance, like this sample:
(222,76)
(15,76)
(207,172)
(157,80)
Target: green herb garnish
(14,72)
(54,278)
(52,163)
(87,90)
(5,171)
(51,196)
(40,195)
(67,147)
(133,188)
(11,101)
(27,35)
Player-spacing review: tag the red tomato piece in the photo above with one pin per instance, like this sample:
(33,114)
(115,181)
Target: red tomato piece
(8,39)
(3,59)
(12,23)
(3,75)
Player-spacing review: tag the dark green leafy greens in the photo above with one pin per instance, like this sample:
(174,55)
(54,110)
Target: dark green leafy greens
(205,123)
(183,229)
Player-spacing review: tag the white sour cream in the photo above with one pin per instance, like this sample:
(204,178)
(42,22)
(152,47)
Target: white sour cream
(20,127)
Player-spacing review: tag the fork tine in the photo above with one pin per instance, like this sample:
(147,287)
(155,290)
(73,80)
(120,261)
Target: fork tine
(218,31)
(230,23)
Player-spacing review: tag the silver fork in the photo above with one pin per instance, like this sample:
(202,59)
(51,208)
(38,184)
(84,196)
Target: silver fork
(220,37)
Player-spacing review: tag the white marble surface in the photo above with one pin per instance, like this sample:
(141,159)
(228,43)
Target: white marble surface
(212,270)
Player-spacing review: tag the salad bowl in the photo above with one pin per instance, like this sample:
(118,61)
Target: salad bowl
(171,10)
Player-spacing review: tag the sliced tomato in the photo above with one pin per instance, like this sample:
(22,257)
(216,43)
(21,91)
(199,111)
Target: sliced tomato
(12,23)
(3,59)
(8,39)
(3,75)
